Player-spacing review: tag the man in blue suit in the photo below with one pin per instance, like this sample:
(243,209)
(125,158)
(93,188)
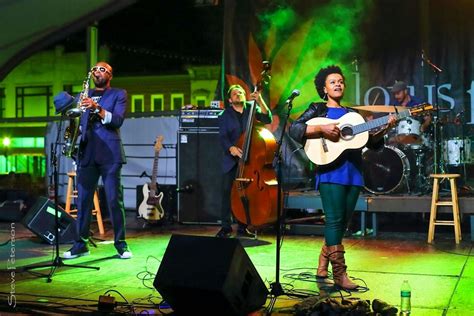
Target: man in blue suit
(232,122)
(101,154)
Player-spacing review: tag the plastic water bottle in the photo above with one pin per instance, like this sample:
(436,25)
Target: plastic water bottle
(405,296)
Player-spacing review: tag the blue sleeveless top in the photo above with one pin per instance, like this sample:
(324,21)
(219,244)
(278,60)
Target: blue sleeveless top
(347,169)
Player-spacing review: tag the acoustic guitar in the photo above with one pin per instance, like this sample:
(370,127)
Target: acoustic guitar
(354,133)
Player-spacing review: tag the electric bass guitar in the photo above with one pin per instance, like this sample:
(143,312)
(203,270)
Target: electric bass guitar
(354,133)
(150,208)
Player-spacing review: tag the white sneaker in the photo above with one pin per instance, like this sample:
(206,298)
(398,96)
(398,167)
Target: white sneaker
(76,251)
(126,255)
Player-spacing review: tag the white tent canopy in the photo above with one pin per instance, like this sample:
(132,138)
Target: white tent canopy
(30,25)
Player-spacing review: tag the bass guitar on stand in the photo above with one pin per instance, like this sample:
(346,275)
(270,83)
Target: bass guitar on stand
(150,208)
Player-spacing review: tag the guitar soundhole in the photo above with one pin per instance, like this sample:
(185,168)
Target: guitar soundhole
(347,132)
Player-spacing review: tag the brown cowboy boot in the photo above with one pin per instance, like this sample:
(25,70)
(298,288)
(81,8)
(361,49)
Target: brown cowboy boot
(338,263)
(323,264)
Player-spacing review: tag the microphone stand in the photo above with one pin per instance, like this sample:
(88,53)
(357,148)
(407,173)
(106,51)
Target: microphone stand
(58,261)
(437,154)
(276,288)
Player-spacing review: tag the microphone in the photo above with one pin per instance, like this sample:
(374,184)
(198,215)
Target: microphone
(293,95)
(355,63)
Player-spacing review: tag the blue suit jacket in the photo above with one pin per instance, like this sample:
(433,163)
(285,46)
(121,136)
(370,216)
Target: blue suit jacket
(101,143)
(230,131)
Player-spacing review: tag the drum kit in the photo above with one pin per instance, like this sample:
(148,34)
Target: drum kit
(404,164)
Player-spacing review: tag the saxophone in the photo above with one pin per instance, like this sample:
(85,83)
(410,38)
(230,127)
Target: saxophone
(72,131)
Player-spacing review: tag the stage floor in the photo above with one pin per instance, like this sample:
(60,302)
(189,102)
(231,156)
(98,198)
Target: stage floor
(441,275)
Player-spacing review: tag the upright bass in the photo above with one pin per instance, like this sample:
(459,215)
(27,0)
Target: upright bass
(255,189)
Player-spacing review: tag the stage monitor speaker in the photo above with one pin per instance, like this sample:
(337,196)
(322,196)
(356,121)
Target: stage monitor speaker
(199,176)
(11,211)
(208,275)
(40,220)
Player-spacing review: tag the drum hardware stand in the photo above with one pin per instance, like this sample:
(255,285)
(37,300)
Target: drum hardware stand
(421,180)
(405,176)
(462,150)
(407,182)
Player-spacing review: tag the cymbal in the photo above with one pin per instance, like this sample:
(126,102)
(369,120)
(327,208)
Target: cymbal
(380,108)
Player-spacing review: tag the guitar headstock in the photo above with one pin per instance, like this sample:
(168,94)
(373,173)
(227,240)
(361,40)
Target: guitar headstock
(421,109)
(159,143)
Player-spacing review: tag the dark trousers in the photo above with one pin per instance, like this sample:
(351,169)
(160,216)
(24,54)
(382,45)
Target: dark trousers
(339,202)
(226,207)
(87,178)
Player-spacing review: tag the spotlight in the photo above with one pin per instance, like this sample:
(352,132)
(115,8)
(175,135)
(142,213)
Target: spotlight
(6,142)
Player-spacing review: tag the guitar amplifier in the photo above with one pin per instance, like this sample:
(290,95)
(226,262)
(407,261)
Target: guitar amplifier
(190,119)
(199,175)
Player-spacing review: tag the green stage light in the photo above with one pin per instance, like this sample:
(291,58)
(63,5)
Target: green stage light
(6,142)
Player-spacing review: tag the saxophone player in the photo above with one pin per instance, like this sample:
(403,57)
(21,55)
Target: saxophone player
(101,154)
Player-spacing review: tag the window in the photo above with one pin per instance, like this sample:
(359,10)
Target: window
(21,156)
(34,101)
(201,101)
(177,101)
(2,102)
(138,103)
(33,165)
(27,142)
(156,102)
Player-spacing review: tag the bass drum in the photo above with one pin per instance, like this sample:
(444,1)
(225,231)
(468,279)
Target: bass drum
(385,170)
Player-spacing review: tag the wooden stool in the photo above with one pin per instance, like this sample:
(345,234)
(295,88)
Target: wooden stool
(435,202)
(71,193)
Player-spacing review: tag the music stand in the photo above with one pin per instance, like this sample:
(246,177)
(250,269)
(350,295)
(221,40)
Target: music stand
(57,262)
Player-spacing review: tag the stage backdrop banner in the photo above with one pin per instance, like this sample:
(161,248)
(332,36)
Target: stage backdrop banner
(374,42)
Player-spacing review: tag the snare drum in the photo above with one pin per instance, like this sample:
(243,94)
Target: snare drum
(456,151)
(385,170)
(408,131)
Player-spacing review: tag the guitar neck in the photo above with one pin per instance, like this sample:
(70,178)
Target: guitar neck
(370,125)
(154,173)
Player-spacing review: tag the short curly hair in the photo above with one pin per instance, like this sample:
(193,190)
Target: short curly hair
(320,78)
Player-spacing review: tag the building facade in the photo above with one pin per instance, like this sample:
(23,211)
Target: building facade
(26,100)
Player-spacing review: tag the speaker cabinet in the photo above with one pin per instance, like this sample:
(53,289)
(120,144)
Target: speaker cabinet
(199,176)
(40,220)
(208,275)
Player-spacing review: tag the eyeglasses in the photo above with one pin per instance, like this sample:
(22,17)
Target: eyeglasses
(100,68)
